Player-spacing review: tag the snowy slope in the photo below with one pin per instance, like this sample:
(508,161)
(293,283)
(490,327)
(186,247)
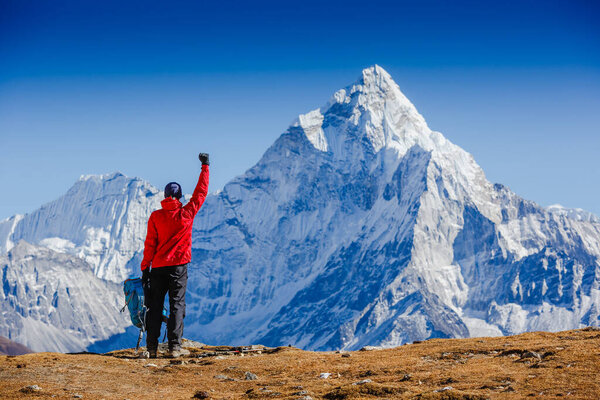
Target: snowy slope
(54,302)
(359,225)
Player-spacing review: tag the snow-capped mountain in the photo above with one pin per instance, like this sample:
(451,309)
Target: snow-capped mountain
(358,226)
(361,226)
(101,219)
(53,301)
(574,213)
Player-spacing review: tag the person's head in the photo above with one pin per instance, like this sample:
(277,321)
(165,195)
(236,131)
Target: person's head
(173,189)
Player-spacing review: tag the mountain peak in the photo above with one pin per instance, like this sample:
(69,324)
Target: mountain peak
(104,177)
(372,108)
(377,76)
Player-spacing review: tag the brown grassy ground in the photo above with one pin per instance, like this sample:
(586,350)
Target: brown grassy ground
(563,365)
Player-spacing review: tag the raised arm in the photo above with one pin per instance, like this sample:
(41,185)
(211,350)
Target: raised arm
(193,206)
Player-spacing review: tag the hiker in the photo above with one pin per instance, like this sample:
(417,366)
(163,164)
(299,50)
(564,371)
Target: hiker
(167,251)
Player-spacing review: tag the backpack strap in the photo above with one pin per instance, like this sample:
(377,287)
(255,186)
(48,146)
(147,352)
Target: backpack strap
(127,300)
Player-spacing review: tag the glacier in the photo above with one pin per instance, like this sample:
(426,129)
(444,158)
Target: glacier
(358,226)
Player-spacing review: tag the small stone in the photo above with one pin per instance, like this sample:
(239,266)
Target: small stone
(346,355)
(443,389)
(299,387)
(325,375)
(531,354)
(151,365)
(304,398)
(405,378)
(300,393)
(192,344)
(448,381)
(362,382)
(201,394)
(77,396)
(371,348)
(224,377)
(31,389)
(250,376)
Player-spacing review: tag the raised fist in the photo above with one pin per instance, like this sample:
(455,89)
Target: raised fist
(203,157)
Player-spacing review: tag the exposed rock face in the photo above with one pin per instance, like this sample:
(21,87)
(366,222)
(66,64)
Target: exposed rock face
(11,348)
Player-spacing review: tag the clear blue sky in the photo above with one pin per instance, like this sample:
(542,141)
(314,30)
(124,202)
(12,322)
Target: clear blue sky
(142,86)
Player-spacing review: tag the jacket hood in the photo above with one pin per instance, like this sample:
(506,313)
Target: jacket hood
(170,203)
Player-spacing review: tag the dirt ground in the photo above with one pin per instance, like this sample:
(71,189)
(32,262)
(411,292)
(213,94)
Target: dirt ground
(532,365)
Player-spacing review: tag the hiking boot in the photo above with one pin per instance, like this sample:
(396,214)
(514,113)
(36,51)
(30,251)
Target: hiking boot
(152,353)
(177,352)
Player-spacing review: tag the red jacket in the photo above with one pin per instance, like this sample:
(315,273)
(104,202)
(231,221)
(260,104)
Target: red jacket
(169,236)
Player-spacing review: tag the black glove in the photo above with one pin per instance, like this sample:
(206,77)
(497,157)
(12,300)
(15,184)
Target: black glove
(204,158)
(146,286)
(146,278)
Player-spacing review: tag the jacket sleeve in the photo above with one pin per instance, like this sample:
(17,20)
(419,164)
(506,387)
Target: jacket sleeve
(193,206)
(150,244)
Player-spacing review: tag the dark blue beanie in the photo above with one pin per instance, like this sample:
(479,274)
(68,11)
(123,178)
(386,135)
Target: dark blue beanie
(173,189)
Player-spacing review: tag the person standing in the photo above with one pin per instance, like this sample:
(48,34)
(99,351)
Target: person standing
(167,251)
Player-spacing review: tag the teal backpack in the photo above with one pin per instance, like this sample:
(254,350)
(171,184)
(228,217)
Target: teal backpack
(134,302)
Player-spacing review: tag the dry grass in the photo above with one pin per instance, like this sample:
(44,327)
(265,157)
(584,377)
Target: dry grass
(533,365)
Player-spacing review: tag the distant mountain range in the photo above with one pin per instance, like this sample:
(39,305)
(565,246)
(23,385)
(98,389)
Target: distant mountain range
(358,226)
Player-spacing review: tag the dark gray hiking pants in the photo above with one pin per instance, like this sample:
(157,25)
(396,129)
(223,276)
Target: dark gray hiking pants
(173,280)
